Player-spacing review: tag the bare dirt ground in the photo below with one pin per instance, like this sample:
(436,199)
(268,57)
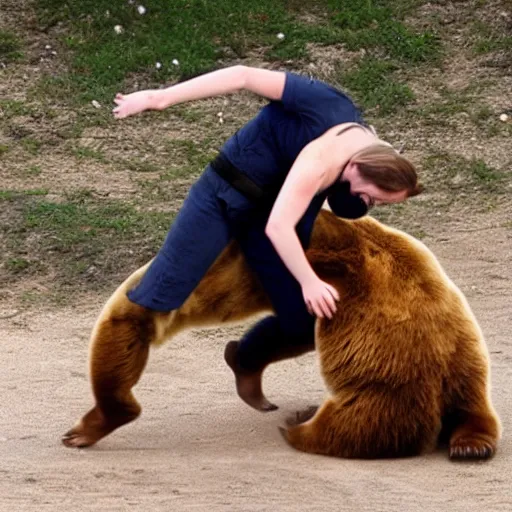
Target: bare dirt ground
(196,445)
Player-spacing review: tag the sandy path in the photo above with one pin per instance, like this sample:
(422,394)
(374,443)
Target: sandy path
(197,447)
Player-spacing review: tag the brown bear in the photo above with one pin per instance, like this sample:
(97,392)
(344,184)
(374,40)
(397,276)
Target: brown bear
(403,358)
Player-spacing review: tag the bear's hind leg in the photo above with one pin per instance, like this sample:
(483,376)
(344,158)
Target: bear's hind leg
(119,352)
(475,436)
(471,422)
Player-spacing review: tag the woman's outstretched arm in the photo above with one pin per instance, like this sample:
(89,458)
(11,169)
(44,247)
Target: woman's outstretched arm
(264,82)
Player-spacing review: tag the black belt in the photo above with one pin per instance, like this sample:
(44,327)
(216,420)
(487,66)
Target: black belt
(241,182)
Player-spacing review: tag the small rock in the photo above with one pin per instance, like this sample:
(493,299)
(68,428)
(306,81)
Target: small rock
(280,36)
(95,104)
(47,47)
(176,62)
(118,29)
(158,65)
(141,10)
(504,118)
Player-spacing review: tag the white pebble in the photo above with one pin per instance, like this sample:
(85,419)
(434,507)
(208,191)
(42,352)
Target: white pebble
(118,29)
(220,114)
(47,47)
(95,104)
(504,118)
(176,62)
(158,65)
(280,35)
(141,9)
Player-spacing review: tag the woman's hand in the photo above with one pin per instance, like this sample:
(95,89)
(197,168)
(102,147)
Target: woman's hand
(131,104)
(320,298)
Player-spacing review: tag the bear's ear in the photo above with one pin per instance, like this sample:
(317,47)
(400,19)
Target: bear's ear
(339,263)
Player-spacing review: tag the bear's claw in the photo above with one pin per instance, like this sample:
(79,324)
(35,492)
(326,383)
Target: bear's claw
(465,448)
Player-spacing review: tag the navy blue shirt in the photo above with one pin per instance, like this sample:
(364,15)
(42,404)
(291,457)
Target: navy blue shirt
(266,147)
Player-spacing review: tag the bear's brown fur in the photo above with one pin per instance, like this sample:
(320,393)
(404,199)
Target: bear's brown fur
(402,357)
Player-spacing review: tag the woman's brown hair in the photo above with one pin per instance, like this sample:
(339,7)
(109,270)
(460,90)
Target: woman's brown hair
(387,169)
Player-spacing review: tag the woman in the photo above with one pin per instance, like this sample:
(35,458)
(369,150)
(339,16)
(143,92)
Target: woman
(265,189)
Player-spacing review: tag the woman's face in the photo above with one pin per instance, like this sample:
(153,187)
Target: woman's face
(368,191)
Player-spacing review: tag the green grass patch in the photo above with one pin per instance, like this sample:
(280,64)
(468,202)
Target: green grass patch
(374,25)
(4,148)
(6,195)
(373,85)
(13,108)
(11,195)
(17,265)
(78,237)
(183,172)
(490,39)
(198,33)
(138,165)
(195,155)
(31,145)
(10,47)
(33,170)
(446,110)
(83,152)
(493,44)
(459,173)
(74,223)
(483,173)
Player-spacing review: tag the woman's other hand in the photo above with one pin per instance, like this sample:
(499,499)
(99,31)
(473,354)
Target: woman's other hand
(131,104)
(320,298)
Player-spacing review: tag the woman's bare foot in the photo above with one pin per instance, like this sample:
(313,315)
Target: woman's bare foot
(248,384)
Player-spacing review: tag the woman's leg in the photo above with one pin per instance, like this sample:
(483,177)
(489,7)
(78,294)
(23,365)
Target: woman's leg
(201,230)
(288,334)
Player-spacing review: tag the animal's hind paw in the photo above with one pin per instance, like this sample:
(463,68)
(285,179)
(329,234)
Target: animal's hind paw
(471,448)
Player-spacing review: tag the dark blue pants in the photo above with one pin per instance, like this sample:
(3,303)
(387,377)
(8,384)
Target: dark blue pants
(212,215)
(291,331)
